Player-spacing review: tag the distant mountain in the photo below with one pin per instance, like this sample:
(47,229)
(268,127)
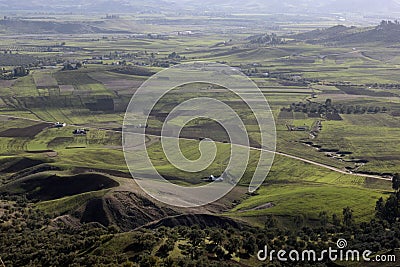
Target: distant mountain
(364,6)
(387,32)
(293,6)
(251,6)
(85,6)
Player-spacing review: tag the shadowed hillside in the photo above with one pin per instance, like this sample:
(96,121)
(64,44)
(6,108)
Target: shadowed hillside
(44,187)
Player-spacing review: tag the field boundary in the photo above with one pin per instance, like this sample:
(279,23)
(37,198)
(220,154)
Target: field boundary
(254,148)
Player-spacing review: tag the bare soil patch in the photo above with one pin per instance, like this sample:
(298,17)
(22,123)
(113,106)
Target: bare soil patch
(30,131)
(66,88)
(7,83)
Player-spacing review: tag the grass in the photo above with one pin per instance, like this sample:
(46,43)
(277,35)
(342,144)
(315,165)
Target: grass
(64,205)
(293,186)
(24,86)
(103,158)
(309,200)
(371,137)
(44,79)
(298,188)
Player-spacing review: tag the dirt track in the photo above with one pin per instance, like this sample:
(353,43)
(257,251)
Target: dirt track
(259,149)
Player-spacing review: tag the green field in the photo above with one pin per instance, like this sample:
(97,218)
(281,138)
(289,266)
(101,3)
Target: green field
(67,197)
(71,96)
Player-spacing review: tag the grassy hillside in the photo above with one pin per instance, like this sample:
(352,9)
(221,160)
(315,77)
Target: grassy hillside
(385,33)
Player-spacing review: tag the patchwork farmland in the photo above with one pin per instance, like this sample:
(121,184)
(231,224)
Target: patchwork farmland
(63,172)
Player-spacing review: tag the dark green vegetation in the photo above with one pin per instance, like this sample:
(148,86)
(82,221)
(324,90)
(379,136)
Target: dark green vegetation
(29,237)
(69,200)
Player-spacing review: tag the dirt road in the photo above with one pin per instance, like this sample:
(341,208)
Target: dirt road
(259,149)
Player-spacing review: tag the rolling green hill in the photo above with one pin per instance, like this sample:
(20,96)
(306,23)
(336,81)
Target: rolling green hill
(387,32)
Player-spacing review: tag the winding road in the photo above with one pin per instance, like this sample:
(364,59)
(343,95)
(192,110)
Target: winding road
(254,148)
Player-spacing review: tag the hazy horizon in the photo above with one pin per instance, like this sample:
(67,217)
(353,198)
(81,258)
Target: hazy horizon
(388,7)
